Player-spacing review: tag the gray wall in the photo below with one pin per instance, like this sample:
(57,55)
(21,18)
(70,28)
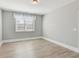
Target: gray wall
(59,25)
(9,27)
(0,25)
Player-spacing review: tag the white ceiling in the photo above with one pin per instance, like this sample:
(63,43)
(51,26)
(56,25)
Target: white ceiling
(43,7)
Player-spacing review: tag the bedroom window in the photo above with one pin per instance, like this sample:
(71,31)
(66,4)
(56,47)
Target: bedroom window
(24,22)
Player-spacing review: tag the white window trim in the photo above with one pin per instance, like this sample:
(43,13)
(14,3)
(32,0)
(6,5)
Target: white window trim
(24,26)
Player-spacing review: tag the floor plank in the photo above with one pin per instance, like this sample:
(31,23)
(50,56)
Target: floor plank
(35,49)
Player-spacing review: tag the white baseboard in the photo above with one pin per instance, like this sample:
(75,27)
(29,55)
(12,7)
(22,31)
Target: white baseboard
(63,45)
(15,40)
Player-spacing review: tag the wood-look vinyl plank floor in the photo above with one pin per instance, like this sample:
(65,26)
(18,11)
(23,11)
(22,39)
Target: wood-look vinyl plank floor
(35,49)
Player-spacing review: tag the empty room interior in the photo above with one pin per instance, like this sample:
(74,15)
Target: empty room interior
(39,28)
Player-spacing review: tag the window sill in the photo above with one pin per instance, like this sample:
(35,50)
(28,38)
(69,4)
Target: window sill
(25,31)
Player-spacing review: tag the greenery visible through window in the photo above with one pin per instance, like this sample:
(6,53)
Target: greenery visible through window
(24,22)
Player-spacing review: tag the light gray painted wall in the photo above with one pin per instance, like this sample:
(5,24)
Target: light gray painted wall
(59,24)
(0,25)
(9,27)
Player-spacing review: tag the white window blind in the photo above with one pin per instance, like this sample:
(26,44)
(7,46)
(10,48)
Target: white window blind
(25,22)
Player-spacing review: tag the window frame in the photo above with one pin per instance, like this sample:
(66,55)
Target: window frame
(34,21)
